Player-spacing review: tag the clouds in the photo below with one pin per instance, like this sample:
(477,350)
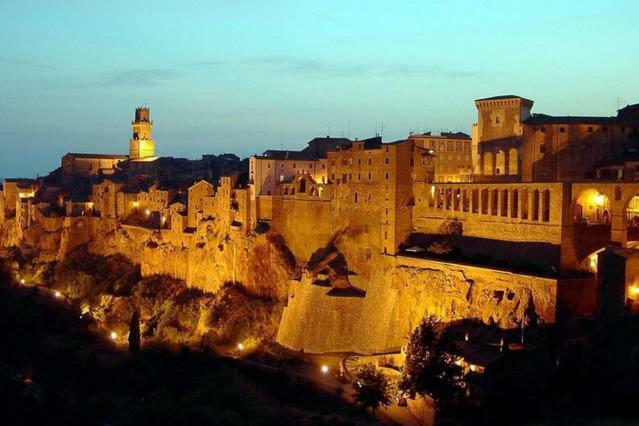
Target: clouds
(315,68)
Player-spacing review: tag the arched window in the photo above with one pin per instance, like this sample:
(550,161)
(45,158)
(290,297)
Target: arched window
(513,161)
(500,163)
(488,163)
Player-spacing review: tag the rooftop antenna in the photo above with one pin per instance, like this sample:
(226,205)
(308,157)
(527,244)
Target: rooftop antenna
(349,129)
(382,132)
(619,102)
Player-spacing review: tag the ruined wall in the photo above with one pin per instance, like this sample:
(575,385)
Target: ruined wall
(399,292)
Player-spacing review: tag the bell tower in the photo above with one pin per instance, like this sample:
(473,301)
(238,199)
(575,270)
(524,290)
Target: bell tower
(141,144)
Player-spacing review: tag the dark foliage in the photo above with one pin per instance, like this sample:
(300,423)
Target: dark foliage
(371,388)
(430,369)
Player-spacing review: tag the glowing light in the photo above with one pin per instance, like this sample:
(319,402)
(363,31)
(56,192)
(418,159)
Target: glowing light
(599,199)
(22,281)
(135,204)
(240,347)
(57,294)
(147,212)
(324,369)
(466,337)
(634,290)
(113,335)
(472,367)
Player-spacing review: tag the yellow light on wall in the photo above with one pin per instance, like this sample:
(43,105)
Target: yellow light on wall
(147,212)
(599,199)
(634,290)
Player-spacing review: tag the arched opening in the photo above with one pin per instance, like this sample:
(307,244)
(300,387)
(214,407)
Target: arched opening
(591,211)
(513,161)
(488,163)
(632,221)
(592,208)
(302,185)
(500,163)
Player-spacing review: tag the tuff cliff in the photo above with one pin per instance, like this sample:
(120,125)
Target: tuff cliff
(340,295)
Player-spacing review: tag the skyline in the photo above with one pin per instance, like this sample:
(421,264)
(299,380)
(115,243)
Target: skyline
(245,78)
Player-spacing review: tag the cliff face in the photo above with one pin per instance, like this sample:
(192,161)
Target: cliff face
(379,301)
(205,259)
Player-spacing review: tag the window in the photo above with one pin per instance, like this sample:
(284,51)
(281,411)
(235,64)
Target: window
(496,120)
(604,129)
(359,161)
(344,177)
(589,129)
(370,177)
(562,130)
(386,160)
(458,146)
(542,148)
(386,175)
(369,162)
(356,197)
(543,130)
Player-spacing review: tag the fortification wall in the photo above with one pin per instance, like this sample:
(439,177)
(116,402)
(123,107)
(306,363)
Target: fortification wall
(304,223)
(399,292)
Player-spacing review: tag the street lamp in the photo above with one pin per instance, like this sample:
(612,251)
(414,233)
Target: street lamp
(324,369)
(57,294)
(240,347)
(113,335)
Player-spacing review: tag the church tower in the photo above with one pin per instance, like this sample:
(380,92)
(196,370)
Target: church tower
(141,144)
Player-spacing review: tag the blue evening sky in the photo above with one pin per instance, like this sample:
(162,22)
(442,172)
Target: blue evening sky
(244,76)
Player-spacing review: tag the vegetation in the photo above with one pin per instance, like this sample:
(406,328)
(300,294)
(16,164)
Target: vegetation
(371,388)
(430,369)
(56,368)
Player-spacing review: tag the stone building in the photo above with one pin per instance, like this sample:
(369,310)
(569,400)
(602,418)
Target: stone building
(512,144)
(452,161)
(82,164)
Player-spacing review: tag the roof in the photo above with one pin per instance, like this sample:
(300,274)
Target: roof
(276,154)
(629,108)
(538,119)
(88,155)
(443,135)
(500,97)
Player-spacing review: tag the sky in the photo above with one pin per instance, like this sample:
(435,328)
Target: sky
(244,76)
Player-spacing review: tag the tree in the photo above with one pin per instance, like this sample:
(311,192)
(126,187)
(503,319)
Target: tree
(430,369)
(371,388)
(134,333)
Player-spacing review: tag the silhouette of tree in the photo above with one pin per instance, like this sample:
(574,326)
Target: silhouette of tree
(430,369)
(134,333)
(371,388)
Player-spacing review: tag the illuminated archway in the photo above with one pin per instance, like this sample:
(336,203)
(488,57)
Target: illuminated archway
(592,208)
(500,163)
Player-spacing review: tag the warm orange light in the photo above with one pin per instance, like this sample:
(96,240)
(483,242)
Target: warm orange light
(240,347)
(324,369)
(113,335)
(634,290)
(599,199)
(147,212)
(57,294)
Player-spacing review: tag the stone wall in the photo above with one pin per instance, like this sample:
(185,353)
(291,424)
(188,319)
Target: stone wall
(399,292)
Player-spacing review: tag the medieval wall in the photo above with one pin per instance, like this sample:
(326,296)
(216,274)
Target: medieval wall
(399,292)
